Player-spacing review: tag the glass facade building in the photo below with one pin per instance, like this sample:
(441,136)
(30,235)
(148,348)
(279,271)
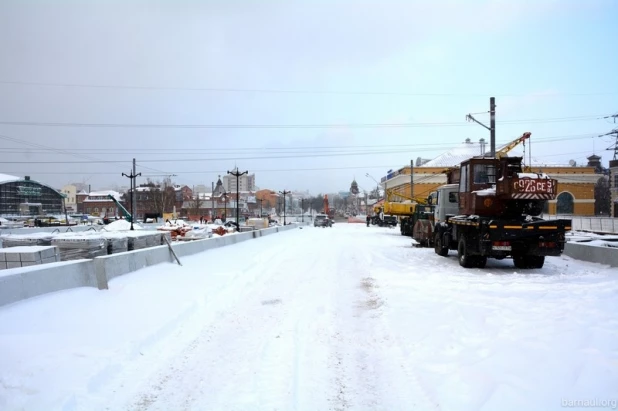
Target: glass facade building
(25,197)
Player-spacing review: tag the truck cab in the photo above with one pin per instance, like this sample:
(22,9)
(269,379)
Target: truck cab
(446,200)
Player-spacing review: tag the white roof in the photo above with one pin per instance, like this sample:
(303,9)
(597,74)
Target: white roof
(105,193)
(465,151)
(5,178)
(455,156)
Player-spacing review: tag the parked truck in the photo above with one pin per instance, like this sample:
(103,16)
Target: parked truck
(407,211)
(490,209)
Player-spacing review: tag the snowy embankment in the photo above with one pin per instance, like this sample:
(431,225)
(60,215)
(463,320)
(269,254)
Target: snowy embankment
(347,317)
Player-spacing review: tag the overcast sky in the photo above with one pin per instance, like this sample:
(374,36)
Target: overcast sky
(294,66)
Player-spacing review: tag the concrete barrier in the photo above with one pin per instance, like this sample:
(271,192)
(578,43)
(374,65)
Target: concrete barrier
(27,282)
(22,283)
(592,253)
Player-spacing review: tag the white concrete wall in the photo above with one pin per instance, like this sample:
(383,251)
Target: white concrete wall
(22,283)
(592,253)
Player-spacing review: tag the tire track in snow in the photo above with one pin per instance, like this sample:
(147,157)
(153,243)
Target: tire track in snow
(249,357)
(372,372)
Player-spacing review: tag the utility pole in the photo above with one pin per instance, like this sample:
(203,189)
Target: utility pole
(237,174)
(302,209)
(212,201)
(132,177)
(614,147)
(261,200)
(284,194)
(412,178)
(492,125)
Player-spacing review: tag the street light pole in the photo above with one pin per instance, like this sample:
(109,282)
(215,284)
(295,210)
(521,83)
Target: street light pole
(261,200)
(284,194)
(237,174)
(224,206)
(132,177)
(302,209)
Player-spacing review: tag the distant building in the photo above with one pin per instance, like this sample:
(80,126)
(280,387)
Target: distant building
(246,182)
(26,197)
(70,191)
(98,203)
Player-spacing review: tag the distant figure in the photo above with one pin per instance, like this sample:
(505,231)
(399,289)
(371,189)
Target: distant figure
(368,220)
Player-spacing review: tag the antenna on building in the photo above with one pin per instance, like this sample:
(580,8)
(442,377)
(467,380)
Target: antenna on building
(572,163)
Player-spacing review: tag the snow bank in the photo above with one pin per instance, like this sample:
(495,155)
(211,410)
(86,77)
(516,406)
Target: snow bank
(539,176)
(122,225)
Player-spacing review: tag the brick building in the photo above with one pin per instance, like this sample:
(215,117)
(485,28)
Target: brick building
(98,203)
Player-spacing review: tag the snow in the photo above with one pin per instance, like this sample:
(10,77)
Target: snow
(346,318)
(455,156)
(486,192)
(535,176)
(121,225)
(592,239)
(105,194)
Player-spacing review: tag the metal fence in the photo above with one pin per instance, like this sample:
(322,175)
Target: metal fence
(596,224)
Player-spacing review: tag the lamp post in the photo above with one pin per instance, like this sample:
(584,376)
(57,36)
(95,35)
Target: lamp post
(377,186)
(237,174)
(284,194)
(212,201)
(224,206)
(302,209)
(261,200)
(132,177)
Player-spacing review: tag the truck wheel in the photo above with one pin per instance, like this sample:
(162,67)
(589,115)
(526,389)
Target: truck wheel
(536,261)
(520,261)
(465,259)
(438,247)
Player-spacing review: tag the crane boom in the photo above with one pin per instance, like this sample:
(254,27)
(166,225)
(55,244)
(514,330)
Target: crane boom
(124,211)
(504,150)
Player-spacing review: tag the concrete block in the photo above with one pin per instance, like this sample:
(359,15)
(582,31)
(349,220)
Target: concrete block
(3,257)
(49,252)
(13,264)
(49,260)
(12,257)
(594,254)
(30,263)
(30,257)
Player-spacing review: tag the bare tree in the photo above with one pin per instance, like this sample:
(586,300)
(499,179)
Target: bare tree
(196,205)
(160,196)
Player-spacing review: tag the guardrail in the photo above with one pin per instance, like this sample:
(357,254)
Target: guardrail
(21,283)
(607,225)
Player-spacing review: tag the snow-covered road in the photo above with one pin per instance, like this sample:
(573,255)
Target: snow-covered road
(343,318)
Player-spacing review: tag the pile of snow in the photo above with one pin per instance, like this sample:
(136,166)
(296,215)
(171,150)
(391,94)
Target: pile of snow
(536,176)
(592,239)
(486,192)
(122,225)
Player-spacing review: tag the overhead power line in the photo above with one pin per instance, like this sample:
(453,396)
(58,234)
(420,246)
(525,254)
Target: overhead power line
(275,170)
(305,150)
(284,91)
(291,126)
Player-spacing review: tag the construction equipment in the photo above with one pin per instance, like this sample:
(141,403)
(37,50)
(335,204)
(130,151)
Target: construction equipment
(123,210)
(491,211)
(408,211)
(327,210)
